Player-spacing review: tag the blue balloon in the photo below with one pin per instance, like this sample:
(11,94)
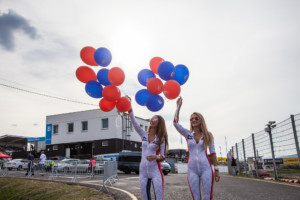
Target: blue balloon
(144,75)
(141,96)
(165,70)
(181,74)
(94,89)
(155,103)
(102,76)
(102,56)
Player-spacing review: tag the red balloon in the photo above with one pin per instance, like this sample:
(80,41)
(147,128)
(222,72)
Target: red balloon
(154,63)
(87,56)
(123,104)
(116,76)
(111,93)
(171,89)
(106,106)
(154,86)
(85,74)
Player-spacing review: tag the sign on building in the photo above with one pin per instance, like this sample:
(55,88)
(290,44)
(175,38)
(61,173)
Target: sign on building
(48,134)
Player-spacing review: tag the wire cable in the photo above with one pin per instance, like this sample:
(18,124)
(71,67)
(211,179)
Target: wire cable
(45,95)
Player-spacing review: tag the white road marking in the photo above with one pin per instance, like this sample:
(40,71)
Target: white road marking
(129,178)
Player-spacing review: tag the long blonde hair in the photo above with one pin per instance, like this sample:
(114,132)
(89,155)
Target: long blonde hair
(207,136)
(161,131)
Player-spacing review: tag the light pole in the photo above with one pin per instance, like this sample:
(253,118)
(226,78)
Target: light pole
(268,129)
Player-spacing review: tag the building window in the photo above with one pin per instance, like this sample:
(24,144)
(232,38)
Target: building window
(146,128)
(55,147)
(141,125)
(55,129)
(105,123)
(105,143)
(84,126)
(70,127)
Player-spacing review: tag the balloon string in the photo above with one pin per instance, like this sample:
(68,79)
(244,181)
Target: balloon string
(162,95)
(122,90)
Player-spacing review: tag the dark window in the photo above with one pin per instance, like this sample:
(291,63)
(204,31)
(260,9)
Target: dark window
(84,126)
(55,129)
(130,158)
(70,127)
(105,123)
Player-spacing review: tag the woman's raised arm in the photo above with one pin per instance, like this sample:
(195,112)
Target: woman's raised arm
(179,128)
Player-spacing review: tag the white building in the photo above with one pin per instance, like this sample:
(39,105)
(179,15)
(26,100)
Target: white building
(86,133)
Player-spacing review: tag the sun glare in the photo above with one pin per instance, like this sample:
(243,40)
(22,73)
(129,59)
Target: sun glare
(130,48)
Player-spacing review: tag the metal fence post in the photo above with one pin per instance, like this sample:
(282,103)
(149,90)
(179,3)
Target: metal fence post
(237,159)
(254,150)
(273,154)
(244,153)
(296,138)
(229,161)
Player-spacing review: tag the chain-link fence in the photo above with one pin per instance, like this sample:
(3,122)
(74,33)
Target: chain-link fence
(272,152)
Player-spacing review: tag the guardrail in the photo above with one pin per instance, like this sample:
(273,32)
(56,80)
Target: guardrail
(76,169)
(105,171)
(110,174)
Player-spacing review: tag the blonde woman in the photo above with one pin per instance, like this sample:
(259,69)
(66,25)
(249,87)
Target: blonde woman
(154,145)
(199,167)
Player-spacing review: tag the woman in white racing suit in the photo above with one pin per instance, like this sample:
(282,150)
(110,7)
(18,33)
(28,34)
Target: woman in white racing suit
(199,167)
(154,145)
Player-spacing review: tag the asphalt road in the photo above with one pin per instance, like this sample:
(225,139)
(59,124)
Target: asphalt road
(176,187)
(229,188)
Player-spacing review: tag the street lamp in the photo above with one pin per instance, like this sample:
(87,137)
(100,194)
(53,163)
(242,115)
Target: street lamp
(268,129)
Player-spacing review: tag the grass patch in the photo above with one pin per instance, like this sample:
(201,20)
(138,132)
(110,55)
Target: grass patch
(14,188)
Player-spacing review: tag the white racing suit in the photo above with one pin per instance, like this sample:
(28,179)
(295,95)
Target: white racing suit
(150,170)
(199,166)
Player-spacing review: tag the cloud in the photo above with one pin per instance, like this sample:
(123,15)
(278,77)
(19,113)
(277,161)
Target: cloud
(10,23)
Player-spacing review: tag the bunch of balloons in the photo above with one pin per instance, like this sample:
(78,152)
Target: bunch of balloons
(174,77)
(104,83)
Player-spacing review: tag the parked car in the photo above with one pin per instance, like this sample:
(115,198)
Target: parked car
(165,167)
(65,165)
(17,164)
(83,166)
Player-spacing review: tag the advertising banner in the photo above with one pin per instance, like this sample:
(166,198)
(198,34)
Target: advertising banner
(35,139)
(270,161)
(48,134)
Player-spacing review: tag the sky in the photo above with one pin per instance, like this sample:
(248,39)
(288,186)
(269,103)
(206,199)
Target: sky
(243,59)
